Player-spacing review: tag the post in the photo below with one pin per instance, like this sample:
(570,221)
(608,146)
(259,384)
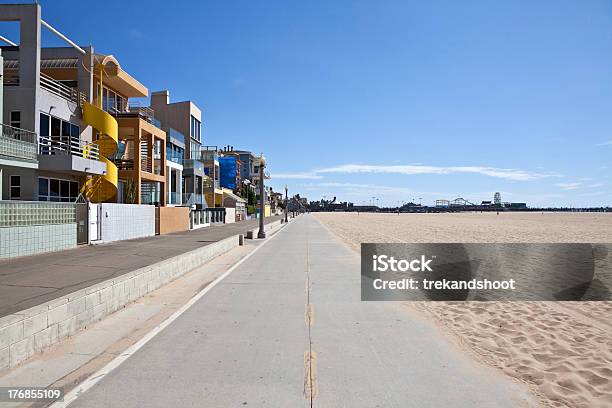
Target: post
(286,203)
(262,197)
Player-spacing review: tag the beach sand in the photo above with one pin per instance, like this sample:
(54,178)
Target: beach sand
(562,350)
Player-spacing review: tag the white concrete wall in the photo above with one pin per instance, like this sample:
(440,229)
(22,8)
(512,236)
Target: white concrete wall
(126,221)
(230,215)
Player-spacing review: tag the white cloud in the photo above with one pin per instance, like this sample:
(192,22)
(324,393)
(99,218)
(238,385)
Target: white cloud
(608,143)
(508,174)
(296,176)
(569,186)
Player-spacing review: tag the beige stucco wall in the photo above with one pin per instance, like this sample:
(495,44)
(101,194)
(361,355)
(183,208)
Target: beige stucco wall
(173,219)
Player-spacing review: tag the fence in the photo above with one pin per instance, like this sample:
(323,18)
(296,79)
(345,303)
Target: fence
(19,143)
(28,228)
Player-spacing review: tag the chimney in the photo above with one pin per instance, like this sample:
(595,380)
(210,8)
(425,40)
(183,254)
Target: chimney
(160,97)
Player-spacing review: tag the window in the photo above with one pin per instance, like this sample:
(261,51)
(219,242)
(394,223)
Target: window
(44,124)
(56,128)
(195,128)
(43,189)
(16,119)
(111,101)
(59,130)
(50,189)
(15,187)
(105,99)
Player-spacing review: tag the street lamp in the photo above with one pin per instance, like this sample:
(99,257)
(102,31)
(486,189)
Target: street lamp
(262,197)
(286,203)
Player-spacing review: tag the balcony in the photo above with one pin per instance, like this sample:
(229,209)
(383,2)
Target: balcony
(70,155)
(61,90)
(190,199)
(18,144)
(49,145)
(135,109)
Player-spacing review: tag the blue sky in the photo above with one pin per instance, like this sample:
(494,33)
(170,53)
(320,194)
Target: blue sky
(397,99)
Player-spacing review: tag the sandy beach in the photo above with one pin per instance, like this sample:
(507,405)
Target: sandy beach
(562,350)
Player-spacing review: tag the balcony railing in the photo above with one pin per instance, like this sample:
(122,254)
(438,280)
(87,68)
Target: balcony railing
(51,146)
(149,197)
(18,143)
(59,89)
(193,164)
(174,198)
(174,157)
(193,199)
(175,134)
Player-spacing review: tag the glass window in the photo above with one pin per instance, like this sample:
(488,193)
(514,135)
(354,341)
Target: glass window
(56,127)
(65,132)
(64,190)
(16,119)
(15,187)
(105,99)
(75,131)
(44,124)
(74,190)
(111,101)
(43,187)
(54,190)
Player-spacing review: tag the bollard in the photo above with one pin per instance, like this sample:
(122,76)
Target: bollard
(240,240)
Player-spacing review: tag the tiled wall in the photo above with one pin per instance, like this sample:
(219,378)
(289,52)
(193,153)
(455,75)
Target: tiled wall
(126,221)
(34,239)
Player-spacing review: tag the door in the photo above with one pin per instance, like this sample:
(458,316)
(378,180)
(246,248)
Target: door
(94,228)
(82,211)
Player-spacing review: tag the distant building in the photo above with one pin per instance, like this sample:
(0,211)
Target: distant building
(516,206)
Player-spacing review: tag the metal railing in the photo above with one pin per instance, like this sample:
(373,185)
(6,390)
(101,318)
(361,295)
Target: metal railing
(14,133)
(59,89)
(18,143)
(49,145)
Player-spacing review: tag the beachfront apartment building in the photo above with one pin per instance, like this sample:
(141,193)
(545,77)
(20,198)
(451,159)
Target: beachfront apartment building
(74,103)
(186,119)
(43,92)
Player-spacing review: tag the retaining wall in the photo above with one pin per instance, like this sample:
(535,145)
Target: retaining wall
(30,331)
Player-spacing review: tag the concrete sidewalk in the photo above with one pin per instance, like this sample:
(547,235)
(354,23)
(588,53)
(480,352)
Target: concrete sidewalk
(288,329)
(29,281)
